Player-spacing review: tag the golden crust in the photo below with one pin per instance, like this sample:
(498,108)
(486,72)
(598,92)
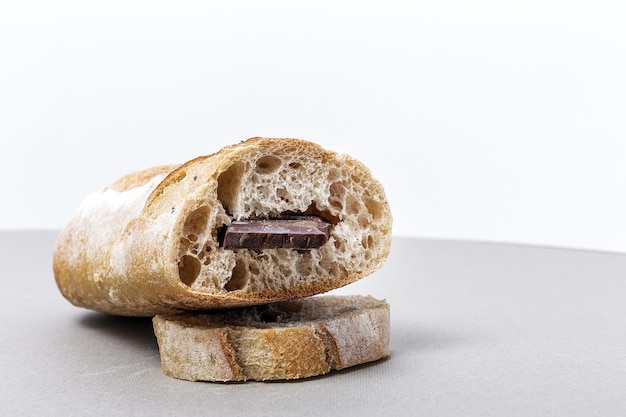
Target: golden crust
(139,178)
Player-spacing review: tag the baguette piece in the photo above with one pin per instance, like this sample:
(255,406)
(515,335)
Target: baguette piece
(284,340)
(150,243)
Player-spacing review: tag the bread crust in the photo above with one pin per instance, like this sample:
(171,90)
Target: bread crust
(305,338)
(147,244)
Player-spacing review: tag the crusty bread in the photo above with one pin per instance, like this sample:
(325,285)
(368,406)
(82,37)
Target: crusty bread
(285,340)
(148,244)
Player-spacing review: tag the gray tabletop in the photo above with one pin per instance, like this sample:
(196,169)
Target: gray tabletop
(477,329)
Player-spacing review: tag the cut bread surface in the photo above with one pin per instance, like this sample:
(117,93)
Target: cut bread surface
(285,340)
(151,243)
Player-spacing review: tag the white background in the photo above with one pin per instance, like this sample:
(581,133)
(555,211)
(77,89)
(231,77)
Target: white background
(486,120)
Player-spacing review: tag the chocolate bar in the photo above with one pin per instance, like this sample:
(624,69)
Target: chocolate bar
(299,233)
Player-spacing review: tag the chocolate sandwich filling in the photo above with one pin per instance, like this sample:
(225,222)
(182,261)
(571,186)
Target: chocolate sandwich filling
(293,232)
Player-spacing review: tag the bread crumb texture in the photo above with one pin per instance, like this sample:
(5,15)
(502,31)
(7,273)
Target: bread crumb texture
(286,340)
(150,243)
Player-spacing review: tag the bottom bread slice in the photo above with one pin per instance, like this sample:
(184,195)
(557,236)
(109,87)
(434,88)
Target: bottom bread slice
(286,340)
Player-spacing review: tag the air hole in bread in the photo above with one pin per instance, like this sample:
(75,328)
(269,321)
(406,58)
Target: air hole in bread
(367,242)
(196,223)
(238,278)
(363,220)
(338,190)
(353,205)
(268,164)
(228,184)
(189,251)
(337,196)
(295,165)
(333,174)
(375,208)
(312,210)
(283,194)
(336,204)
(188,269)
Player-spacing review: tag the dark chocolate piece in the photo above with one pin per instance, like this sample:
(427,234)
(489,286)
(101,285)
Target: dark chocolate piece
(294,232)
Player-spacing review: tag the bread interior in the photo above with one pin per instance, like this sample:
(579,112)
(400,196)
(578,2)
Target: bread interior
(266,185)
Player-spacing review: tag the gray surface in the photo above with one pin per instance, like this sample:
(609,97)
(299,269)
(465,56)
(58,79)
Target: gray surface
(477,329)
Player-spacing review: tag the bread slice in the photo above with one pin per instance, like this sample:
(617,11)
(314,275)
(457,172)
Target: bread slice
(285,340)
(150,243)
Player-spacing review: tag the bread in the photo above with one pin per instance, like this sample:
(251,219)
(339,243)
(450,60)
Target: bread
(150,243)
(285,340)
